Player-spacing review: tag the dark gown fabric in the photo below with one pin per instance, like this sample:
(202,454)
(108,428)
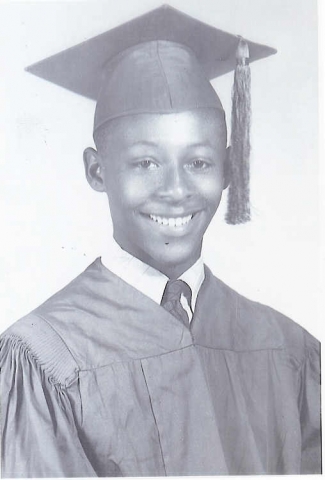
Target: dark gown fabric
(102,381)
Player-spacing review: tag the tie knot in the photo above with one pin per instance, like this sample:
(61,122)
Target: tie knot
(174,290)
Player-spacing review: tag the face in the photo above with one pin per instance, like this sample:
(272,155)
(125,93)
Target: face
(164,177)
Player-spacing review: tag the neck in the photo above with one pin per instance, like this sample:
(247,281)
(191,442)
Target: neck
(172,269)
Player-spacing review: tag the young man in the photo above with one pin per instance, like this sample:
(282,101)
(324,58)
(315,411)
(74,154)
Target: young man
(146,364)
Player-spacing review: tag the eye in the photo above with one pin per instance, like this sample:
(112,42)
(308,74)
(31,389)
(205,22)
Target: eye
(199,164)
(147,164)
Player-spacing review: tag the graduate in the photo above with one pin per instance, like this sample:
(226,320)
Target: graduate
(146,364)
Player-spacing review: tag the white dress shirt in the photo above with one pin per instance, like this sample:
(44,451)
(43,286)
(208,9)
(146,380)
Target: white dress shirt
(148,280)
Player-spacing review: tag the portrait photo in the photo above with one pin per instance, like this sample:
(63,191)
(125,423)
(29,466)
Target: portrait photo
(161,268)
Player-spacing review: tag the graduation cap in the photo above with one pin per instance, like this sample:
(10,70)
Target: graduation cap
(162,62)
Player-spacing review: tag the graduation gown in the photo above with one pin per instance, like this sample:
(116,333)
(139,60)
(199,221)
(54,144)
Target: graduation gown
(102,381)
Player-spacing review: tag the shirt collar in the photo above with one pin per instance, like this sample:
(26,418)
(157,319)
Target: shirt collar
(146,279)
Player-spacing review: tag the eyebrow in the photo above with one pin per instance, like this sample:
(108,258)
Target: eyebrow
(148,143)
(200,145)
(145,143)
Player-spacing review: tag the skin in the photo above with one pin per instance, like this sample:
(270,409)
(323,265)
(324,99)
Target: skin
(168,165)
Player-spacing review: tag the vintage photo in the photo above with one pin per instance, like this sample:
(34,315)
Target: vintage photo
(160,299)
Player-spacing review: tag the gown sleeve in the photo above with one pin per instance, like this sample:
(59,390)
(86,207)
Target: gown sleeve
(310,408)
(39,435)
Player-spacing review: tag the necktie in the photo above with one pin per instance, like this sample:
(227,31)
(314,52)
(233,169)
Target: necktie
(171,300)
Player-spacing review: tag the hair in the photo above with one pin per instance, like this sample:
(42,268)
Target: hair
(100,135)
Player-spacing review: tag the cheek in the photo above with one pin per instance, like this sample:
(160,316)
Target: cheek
(211,188)
(129,191)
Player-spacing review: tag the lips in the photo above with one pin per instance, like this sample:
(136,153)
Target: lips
(171,221)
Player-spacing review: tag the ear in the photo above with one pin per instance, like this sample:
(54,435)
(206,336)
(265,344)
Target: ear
(93,169)
(226,169)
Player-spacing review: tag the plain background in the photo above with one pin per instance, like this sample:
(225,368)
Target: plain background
(53,225)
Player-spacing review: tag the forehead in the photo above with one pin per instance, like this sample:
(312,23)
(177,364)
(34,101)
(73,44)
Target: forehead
(196,126)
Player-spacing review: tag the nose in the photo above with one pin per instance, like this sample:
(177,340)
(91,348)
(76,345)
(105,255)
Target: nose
(175,184)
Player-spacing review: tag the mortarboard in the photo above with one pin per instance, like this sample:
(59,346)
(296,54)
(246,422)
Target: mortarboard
(162,62)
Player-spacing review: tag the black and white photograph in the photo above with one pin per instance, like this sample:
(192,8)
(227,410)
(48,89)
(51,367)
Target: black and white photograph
(161,258)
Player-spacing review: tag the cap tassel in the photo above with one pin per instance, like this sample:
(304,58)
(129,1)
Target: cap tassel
(238,192)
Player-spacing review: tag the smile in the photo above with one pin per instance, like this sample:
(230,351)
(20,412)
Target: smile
(171,222)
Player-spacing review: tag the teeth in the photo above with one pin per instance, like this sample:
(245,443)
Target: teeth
(171,222)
